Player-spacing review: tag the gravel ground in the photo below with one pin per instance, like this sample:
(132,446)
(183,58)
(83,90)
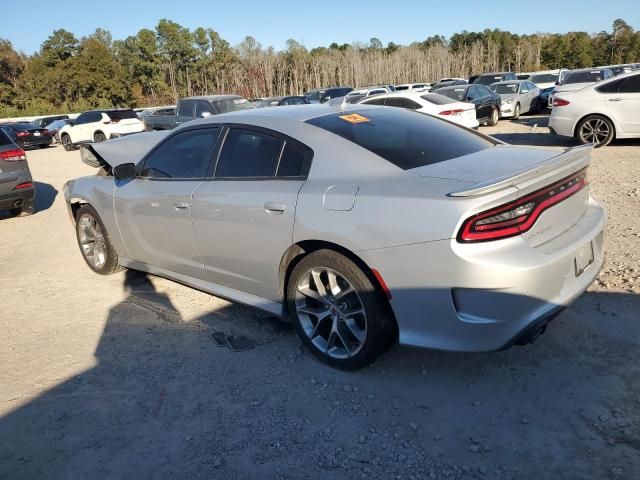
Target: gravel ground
(117,377)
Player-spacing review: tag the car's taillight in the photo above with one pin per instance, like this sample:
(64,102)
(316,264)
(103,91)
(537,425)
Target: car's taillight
(13,155)
(560,102)
(46,132)
(22,134)
(23,185)
(520,215)
(452,112)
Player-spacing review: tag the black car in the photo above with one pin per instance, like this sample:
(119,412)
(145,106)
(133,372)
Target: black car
(489,78)
(323,95)
(280,101)
(27,134)
(44,121)
(487,102)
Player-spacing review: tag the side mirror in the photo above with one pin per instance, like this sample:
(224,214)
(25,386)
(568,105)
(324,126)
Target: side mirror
(125,171)
(524,91)
(205,114)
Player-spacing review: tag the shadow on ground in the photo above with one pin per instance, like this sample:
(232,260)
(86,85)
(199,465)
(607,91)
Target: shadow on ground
(164,401)
(45,196)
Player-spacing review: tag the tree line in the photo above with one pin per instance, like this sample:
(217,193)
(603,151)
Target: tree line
(155,67)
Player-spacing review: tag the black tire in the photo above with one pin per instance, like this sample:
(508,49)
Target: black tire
(99,137)
(66,143)
(516,112)
(380,332)
(25,210)
(110,264)
(494,118)
(595,129)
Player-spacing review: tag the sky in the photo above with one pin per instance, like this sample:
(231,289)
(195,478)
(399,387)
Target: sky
(311,23)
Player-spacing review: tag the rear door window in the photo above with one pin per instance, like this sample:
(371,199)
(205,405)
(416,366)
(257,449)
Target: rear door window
(396,102)
(249,153)
(631,85)
(295,160)
(404,138)
(117,115)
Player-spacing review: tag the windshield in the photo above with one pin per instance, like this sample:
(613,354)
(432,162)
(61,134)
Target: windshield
(504,88)
(57,124)
(404,138)
(233,105)
(544,78)
(455,93)
(590,76)
(437,99)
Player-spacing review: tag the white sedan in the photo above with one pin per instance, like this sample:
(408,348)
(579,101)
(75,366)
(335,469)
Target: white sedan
(600,112)
(462,113)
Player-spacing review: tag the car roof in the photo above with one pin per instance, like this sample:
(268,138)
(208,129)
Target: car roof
(293,113)
(557,70)
(493,73)
(212,98)
(508,81)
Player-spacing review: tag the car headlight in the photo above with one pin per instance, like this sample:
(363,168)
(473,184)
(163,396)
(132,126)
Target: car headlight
(508,102)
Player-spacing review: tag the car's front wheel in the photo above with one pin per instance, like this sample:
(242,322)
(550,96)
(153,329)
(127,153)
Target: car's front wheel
(337,311)
(516,112)
(66,142)
(99,137)
(596,129)
(94,242)
(495,117)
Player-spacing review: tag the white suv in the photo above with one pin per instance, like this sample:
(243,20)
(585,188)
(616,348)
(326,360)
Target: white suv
(100,125)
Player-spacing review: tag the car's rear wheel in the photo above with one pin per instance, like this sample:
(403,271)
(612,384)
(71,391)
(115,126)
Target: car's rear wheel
(26,209)
(99,137)
(516,111)
(495,117)
(337,311)
(94,242)
(596,129)
(66,142)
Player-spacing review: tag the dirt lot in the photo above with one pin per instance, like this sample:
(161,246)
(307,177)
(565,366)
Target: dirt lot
(117,377)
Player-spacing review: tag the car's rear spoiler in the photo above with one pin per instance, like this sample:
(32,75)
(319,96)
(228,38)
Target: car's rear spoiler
(570,160)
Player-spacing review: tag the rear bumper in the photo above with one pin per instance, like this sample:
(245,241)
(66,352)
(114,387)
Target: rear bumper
(561,125)
(16,198)
(36,142)
(488,296)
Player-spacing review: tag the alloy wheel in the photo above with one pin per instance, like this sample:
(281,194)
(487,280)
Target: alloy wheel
(331,313)
(595,131)
(92,241)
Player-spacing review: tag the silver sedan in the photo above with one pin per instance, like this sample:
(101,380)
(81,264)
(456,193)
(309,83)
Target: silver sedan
(364,225)
(517,96)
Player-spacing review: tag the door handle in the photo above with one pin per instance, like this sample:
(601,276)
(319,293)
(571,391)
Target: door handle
(181,205)
(275,207)
(616,99)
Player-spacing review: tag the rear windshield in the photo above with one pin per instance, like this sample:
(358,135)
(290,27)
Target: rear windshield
(583,77)
(233,104)
(404,138)
(437,99)
(455,93)
(121,114)
(488,79)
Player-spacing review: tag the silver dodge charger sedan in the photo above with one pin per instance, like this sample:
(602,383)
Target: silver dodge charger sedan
(365,225)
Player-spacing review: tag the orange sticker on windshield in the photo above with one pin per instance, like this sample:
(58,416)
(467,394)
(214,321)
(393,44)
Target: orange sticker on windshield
(354,118)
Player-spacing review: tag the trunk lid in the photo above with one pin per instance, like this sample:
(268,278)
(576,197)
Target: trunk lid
(529,171)
(121,150)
